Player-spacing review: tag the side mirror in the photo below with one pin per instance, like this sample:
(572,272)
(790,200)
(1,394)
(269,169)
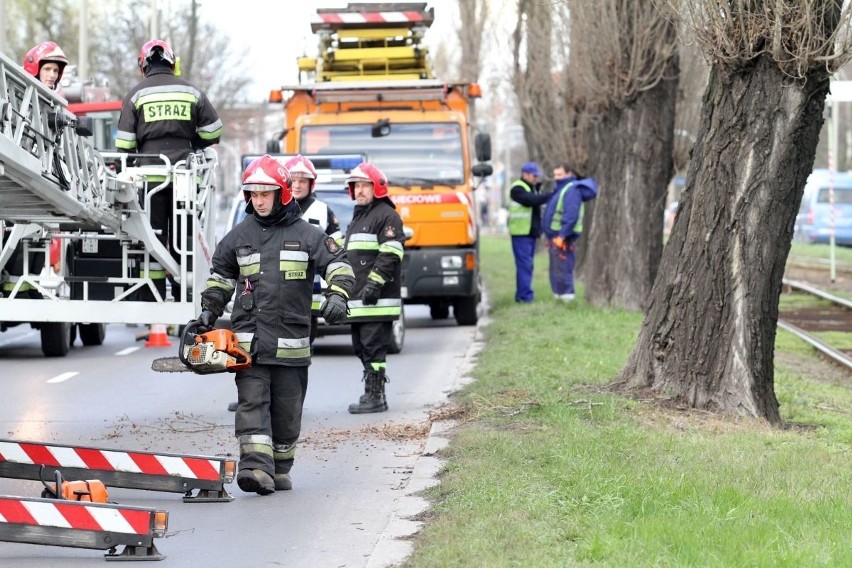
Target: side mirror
(482,170)
(273,146)
(381,128)
(482,144)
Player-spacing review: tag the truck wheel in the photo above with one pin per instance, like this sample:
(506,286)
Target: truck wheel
(55,339)
(397,335)
(439,311)
(92,333)
(465,310)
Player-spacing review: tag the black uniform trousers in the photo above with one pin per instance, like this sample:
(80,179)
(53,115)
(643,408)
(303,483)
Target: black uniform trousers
(270,398)
(370,341)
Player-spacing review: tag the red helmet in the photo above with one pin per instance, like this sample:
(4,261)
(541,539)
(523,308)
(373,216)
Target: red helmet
(153,47)
(368,172)
(300,166)
(45,52)
(267,174)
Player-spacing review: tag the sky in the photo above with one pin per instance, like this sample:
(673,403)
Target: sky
(276,33)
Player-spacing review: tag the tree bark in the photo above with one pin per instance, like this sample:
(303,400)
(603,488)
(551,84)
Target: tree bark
(709,333)
(623,241)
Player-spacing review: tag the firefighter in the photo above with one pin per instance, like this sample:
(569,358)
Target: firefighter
(374,247)
(269,261)
(314,211)
(303,177)
(163,114)
(46,62)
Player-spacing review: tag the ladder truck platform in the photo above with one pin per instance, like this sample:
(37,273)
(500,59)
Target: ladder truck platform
(76,241)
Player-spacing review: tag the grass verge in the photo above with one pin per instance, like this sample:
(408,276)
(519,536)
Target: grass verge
(549,468)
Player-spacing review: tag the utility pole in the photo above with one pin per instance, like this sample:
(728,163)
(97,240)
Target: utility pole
(83,56)
(154,23)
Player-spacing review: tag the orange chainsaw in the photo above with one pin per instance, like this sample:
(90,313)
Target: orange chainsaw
(215,351)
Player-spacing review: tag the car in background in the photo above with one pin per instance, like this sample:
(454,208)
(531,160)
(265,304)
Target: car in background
(815,221)
(331,189)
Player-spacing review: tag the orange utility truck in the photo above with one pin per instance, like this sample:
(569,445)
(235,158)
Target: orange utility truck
(371,92)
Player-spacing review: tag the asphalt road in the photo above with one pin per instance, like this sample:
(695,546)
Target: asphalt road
(350,475)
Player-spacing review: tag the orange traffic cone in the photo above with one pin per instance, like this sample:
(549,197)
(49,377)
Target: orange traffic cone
(158,336)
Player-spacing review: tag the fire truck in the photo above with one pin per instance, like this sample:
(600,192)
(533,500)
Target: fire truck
(56,186)
(371,91)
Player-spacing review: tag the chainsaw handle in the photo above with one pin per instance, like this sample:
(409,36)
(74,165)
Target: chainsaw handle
(188,332)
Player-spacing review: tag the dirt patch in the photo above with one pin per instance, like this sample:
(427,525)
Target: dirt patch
(673,413)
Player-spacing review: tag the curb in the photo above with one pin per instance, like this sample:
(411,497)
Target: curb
(393,547)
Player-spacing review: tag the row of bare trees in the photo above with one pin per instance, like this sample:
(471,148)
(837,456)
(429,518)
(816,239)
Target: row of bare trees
(116,31)
(612,86)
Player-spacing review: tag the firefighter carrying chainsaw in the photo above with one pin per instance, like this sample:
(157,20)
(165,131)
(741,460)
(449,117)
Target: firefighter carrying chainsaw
(268,262)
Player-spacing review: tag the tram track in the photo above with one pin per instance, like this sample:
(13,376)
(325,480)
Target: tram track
(828,313)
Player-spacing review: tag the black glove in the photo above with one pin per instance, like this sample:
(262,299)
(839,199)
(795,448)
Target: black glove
(334,310)
(370,293)
(206,321)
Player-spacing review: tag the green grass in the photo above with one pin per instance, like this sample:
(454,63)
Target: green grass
(843,255)
(553,469)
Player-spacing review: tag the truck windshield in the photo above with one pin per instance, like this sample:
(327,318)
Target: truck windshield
(410,154)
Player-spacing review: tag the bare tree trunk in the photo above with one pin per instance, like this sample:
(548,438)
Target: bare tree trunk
(189,64)
(623,243)
(709,333)
(534,86)
(473,15)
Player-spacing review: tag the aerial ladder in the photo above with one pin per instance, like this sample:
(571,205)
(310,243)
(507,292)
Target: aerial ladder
(55,186)
(371,42)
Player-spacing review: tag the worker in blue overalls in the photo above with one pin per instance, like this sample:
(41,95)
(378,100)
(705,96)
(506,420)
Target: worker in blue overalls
(525,226)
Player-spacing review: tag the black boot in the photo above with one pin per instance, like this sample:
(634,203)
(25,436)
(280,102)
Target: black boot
(376,401)
(366,396)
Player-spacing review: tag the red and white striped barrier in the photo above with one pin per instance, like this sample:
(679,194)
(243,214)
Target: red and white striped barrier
(117,468)
(101,526)
(332,20)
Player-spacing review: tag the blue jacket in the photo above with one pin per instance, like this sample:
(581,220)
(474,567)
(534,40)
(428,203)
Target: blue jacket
(572,197)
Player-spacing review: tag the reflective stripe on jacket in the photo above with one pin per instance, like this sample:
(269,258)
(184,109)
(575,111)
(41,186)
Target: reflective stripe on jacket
(374,249)
(556,220)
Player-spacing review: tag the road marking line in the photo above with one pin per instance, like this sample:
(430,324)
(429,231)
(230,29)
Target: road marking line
(63,377)
(128,350)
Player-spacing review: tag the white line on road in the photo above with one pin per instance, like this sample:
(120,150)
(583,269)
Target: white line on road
(63,377)
(128,350)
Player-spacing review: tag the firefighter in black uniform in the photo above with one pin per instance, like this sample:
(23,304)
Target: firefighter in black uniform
(269,260)
(163,114)
(303,177)
(374,248)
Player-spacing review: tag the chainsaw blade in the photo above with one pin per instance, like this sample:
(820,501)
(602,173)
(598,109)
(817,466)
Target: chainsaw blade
(169,365)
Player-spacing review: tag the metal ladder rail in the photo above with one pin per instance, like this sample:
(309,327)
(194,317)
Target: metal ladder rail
(47,172)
